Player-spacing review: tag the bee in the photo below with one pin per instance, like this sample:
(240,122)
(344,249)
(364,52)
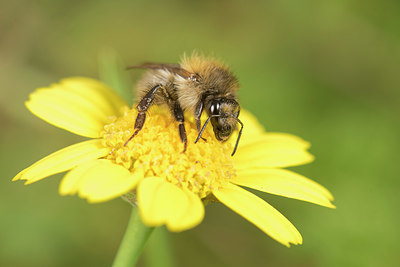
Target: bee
(195,85)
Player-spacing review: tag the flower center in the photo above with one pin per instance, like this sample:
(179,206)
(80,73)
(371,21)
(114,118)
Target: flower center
(157,150)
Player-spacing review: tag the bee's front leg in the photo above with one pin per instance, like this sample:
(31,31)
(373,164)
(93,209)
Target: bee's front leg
(197,115)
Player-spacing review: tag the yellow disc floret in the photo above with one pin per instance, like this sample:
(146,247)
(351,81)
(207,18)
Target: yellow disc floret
(157,151)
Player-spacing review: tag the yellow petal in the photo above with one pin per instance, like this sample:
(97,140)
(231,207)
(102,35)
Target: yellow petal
(63,160)
(161,203)
(80,105)
(260,213)
(281,139)
(273,150)
(100,94)
(70,183)
(252,128)
(99,180)
(284,183)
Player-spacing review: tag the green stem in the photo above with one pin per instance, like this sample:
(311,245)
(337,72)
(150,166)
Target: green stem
(132,244)
(159,252)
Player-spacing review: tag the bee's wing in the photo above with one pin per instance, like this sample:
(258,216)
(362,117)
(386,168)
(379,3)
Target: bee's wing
(174,68)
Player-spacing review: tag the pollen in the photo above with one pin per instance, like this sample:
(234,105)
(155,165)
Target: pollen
(158,151)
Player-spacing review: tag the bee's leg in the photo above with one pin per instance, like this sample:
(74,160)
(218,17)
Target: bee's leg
(178,114)
(197,115)
(142,107)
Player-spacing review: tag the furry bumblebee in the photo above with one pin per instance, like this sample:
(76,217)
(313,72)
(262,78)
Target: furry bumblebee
(194,85)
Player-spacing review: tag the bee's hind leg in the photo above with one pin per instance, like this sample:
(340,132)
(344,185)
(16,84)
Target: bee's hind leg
(142,107)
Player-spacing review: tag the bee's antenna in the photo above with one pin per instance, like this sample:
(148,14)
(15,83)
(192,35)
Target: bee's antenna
(239,135)
(204,126)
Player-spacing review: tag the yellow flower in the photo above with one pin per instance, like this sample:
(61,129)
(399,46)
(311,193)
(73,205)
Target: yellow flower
(171,187)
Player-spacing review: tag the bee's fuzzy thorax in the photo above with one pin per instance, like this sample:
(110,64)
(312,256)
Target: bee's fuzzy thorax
(196,63)
(214,74)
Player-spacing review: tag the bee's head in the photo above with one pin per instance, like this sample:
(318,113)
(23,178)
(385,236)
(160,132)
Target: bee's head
(223,113)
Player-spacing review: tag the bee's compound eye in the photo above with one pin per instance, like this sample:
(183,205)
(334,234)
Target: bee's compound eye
(214,108)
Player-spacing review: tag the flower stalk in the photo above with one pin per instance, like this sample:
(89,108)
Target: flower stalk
(133,242)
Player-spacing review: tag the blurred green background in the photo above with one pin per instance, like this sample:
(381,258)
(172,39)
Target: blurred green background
(327,71)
